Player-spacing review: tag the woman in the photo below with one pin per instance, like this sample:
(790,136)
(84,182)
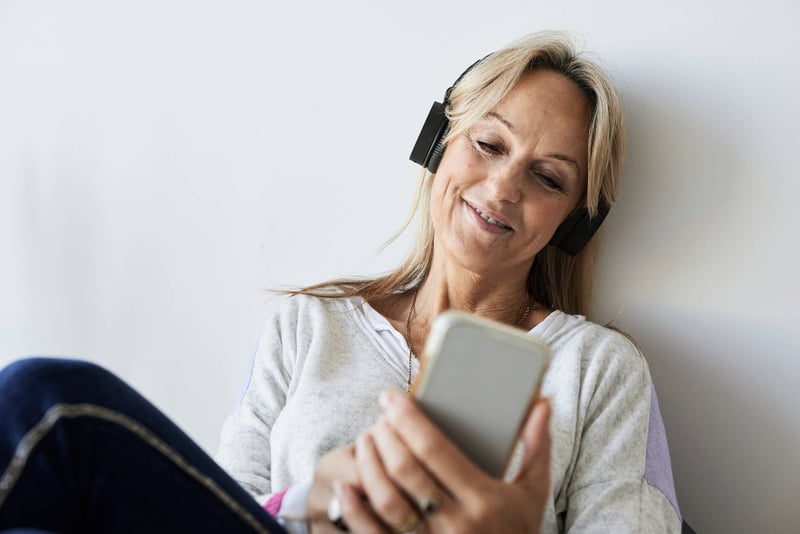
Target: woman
(532,151)
(534,144)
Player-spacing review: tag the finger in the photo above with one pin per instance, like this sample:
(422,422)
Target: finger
(385,497)
(406,471)
(536,437)
(339,464)
(440,456)
(356,513)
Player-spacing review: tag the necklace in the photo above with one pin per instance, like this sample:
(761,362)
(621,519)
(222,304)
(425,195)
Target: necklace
(412,309)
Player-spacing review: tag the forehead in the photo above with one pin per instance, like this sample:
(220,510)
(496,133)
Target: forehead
(546,107)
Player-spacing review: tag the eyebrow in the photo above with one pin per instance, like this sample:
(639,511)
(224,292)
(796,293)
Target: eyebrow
(500,119)
(561,157)
(567,159)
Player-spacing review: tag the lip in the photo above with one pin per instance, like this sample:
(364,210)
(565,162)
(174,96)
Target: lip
(473,210)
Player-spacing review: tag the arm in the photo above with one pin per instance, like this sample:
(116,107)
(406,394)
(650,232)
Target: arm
(244,449)
(621,478)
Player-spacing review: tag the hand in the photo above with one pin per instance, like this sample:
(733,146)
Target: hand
(336,474)
(414,478)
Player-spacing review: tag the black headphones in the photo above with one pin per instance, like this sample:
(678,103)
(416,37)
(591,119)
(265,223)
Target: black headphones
(571,236)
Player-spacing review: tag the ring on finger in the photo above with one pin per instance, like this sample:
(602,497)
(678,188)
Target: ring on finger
(427,505)
(408,523)
(335,514)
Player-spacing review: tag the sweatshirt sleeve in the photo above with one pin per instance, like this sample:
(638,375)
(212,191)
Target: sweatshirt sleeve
(244,450)
(622,478)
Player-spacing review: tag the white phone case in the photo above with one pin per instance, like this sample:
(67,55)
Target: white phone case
(478,384)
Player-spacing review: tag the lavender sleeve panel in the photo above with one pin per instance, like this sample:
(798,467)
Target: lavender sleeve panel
(658,468)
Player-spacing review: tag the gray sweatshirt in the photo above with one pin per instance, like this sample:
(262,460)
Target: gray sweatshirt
(321,363)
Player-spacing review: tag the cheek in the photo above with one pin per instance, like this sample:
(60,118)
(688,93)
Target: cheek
(546,218)
(441,203)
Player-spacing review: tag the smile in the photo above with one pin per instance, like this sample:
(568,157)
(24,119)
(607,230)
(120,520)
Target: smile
(488,219)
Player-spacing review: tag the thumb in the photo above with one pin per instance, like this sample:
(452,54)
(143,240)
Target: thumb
(535,468)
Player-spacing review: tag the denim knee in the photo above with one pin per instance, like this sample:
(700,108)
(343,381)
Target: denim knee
(44,366)
(50,380)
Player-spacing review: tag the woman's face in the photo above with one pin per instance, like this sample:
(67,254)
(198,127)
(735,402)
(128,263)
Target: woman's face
(505,185)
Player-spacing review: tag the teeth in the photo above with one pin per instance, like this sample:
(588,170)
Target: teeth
(489,219)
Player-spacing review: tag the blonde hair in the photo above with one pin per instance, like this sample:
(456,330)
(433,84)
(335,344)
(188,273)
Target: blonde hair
(556,279)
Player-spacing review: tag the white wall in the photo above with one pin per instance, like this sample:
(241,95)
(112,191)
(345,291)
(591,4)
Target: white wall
(161,162)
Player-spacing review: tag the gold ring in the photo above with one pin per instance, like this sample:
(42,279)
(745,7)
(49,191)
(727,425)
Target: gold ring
(408,523)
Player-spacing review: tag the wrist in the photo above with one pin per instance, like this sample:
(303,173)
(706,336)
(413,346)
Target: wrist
(292,507)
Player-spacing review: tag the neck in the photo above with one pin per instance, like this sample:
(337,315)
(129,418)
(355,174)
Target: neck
(501,296)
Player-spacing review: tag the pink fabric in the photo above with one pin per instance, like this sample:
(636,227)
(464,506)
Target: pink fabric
(273,504)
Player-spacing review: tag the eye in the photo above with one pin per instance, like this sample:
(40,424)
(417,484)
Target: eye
(489,148)
(549,181)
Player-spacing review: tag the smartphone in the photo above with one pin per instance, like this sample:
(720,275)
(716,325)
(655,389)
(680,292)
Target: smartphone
(478,383)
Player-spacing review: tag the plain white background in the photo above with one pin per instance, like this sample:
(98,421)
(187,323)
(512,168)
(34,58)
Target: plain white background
(162,163)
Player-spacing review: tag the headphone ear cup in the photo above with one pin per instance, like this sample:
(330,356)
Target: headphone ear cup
(429,140)
(430,145)
(438,150)
(578,228)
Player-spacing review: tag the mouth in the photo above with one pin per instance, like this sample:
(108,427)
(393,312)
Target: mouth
(488,218)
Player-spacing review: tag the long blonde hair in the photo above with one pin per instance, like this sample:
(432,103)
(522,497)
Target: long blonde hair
(556,279)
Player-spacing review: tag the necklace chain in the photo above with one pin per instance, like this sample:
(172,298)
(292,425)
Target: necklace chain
(412,310)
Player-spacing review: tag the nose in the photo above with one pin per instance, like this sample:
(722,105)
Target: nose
(505,182)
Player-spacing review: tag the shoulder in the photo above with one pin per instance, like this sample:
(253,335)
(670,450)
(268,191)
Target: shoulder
(576,335)
(296,322)
(299,308)
(597,360)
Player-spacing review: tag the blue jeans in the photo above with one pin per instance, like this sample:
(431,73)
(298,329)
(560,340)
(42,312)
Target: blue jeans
(82,452)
